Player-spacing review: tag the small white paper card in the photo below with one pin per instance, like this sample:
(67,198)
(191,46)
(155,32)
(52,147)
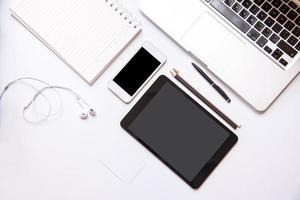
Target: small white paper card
(123,157)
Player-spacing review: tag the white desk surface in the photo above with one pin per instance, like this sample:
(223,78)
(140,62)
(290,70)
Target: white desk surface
(60,159)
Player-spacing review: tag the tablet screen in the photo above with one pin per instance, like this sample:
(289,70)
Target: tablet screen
(178,130)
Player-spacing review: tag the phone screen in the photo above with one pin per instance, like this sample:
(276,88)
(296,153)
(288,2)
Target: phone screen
(136,71)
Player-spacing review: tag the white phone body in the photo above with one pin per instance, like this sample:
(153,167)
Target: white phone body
(119,91)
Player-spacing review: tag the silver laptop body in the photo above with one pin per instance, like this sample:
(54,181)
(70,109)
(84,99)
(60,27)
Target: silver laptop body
(251,45)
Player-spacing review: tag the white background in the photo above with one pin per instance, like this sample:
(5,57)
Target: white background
(62,158)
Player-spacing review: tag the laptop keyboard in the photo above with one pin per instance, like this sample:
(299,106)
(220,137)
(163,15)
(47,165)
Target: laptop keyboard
(272,25)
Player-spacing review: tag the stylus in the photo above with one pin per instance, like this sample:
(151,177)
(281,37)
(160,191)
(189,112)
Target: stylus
(212,83)
(175,73)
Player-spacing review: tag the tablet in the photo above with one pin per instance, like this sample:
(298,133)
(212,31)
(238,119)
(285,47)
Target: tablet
(179,131)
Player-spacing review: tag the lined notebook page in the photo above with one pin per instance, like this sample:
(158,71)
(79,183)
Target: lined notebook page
(87,35)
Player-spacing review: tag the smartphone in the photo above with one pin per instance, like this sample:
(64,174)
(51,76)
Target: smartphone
(146,61)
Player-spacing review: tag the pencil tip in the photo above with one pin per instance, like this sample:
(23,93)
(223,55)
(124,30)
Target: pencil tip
(176,71)
(173,73)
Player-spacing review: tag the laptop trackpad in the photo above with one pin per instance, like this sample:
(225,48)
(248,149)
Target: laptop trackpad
(213,43)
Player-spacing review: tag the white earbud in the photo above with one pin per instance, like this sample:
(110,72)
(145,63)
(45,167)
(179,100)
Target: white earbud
(84,115)
(92,112)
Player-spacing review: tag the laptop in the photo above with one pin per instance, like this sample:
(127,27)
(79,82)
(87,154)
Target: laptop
(251,45)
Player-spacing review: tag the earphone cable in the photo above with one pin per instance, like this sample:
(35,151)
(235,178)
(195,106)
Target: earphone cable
(49,113)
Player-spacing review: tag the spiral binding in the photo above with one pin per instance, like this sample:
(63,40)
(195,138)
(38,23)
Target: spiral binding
(127,16)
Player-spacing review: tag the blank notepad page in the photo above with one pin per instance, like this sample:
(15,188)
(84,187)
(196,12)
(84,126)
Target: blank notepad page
(87,35)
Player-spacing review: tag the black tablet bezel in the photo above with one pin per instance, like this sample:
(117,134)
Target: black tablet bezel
(214,160)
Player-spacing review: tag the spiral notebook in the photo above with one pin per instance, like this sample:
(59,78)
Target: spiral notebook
(86,35)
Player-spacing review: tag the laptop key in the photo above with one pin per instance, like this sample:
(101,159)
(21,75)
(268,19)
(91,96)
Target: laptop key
(244,13)
(284,34)
(230,15)
(298,10)
(254,9)
(253,34)
(247,3)
(267,32)
(276,3)
(277,28)
(292,5)
(277,54)
(261,15)
(292,15)
(298,46)
(259,26)
(297,21)
(258,2)
(229,2)
(236,7)
(292,40)
(289,25)
(262,41)
(251,20)
(284,9)
(285,47)
(281,19)
(266,7)
(274,13)
(274,38)
(269,22)
(296,31)
(283,62)
(268,49)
